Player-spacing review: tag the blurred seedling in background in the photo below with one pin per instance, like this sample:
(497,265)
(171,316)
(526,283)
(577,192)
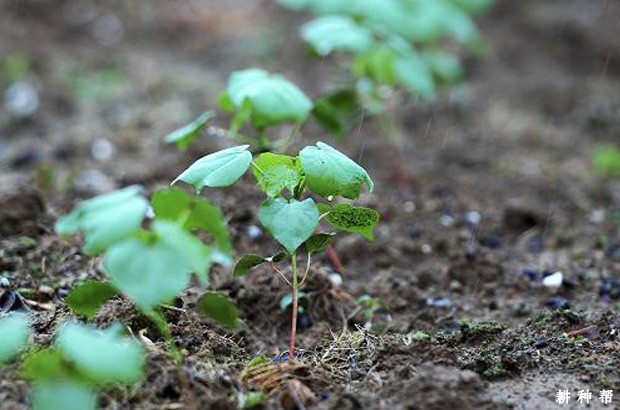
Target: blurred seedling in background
(370,307)
(151,259)
(292,220)
(81,361)
(387,45)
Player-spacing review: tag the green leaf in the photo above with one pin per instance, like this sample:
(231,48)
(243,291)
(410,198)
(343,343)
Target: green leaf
(63,395)
(14,332)
(379,66)
(335,33)
(275,172)
(105,219)
(334,111)
(155,268)
(48,364)
(247,262)
(290,222)
(273,99)
(87,298)
(222,168)
(348,218)
(606,160)
(319,241)
(287,299)
(220,308)
(103,356)
(330,173)
(183,137)
(415,75)
(473,6)
(173,204)
(444,66)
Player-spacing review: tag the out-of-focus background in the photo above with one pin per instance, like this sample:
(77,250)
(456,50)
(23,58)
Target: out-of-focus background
(502,190)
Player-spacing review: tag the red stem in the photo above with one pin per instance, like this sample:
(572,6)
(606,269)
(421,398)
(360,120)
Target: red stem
(333,259)
(291,346)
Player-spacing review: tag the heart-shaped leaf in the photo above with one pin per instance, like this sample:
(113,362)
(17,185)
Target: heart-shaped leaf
(246,263)
(275,172)
(183,137)
(103,356)
(348,218)
(330,173)
(105,219)
(336,33)
(15,330)
(222,168)
(272,99)
(154,268)
(290,222)
(220,308)
(87,298)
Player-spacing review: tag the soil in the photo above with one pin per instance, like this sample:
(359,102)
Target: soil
(498,192)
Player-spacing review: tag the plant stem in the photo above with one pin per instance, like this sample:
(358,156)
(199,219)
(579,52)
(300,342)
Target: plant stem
(294,287)
(164,330)
(263,142)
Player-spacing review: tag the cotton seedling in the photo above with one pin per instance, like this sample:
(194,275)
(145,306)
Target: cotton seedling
(257,98)
(290,213)
(150,260)
(410,44)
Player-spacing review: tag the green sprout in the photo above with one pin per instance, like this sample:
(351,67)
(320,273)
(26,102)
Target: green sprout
(606,160)
(370,306)
(287,213)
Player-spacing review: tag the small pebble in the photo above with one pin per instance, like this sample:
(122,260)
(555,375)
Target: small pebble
(426,249)
(4,283)
(558,303)
(492,241)
(473,218)
(531,274)
(254,232)
(540,344)
(446,220)
(597,216)
(439,302)
(102,150)
(46,290)
(335,279)
(21,99)
(554,280)
(62,292)
(455,286)
(409,207)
